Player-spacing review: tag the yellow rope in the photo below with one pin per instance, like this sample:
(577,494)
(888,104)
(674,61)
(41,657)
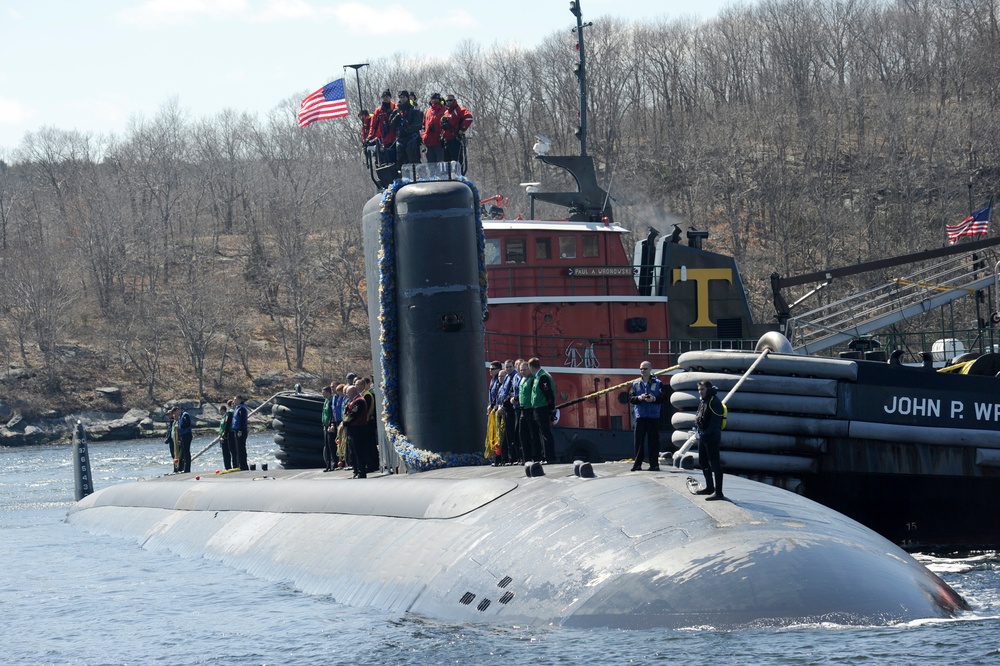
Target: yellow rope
(596,394)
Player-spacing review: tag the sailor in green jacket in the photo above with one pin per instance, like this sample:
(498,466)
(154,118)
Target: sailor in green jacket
(543,403)
(527,421)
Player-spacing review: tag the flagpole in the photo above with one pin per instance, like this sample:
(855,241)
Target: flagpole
(357,76)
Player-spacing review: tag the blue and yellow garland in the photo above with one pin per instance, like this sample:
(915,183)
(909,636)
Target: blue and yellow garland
(414,459)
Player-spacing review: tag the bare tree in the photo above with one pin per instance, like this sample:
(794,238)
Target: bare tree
(140,339)
(199,322)
(40,301)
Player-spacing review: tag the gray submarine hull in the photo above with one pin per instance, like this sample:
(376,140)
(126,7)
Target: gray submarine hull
(488,544)
(622,550)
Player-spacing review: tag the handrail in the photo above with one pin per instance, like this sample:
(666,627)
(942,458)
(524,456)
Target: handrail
(894,300)
(556,351)
(679,454)
(567,278)
(255,410)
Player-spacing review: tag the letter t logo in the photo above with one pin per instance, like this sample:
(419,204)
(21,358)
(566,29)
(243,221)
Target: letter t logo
(701,277)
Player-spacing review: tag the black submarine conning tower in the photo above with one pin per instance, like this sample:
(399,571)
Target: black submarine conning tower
(426,239)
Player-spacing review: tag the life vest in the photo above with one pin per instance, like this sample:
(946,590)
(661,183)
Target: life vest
(725,414)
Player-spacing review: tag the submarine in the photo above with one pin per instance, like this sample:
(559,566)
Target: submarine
(449,538)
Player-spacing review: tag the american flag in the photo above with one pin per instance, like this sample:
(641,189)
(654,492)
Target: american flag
(973,225)
(327,102)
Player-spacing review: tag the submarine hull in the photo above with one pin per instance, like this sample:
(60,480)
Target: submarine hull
(622,550)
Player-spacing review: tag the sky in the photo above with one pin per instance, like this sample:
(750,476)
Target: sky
(92,65)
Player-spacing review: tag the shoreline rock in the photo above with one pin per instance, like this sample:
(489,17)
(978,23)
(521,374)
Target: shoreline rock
(135,423)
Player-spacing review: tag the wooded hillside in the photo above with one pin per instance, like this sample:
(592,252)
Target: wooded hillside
(190,255)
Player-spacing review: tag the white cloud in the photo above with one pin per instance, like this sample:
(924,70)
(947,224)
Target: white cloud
(358,17)
(389,20)
(13,112)
(461,19)
(153,13)
(284,10)
(108,110)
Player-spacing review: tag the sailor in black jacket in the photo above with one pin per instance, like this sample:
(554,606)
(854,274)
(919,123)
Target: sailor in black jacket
(708,424)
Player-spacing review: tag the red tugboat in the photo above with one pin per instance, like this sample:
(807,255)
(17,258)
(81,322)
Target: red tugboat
(569,293)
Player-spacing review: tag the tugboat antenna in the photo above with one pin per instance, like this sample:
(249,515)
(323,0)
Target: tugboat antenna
(581,74)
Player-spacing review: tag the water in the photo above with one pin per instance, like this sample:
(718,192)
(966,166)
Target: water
(69,597)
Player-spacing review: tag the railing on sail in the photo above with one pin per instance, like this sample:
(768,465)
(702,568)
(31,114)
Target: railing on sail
(610,354)
(889,303)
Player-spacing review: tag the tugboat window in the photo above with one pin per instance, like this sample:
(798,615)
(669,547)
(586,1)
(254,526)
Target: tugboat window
(516,253)
(492,251)
(567,247)
(590,247)
(543,248)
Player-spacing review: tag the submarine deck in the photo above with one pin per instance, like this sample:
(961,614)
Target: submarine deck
(623,549)
(457,491)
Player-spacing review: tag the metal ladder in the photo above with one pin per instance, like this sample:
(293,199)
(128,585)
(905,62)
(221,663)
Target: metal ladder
(896,300)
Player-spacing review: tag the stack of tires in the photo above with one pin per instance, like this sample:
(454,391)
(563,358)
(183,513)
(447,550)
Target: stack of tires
(297,422)
(780,420)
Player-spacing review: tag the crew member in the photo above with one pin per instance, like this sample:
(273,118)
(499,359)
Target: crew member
(528,429)
(494,390)
(182,441)
(381,134)
(365,117)
(456,123)
(407,121)
(708,425)
(225,435)
(241,416)
(433,134)
(338,419)
(371,423)
(493,413)
(646,395)
(505,411)
(543,403)
(329,431)
(355,416)
(171,436)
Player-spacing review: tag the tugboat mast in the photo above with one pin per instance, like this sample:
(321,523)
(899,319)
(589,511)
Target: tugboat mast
(590,202)
(581,73)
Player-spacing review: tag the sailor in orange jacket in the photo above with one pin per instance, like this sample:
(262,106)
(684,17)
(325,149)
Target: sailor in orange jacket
(433,134)
(456,122)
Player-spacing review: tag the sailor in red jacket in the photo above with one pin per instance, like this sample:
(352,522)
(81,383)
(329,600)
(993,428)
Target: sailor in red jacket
(456,122)
(366,124)
(381,131)
(433,132)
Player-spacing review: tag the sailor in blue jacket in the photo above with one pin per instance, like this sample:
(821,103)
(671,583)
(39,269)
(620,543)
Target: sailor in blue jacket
(240,417)
(646,396)
(184,435)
